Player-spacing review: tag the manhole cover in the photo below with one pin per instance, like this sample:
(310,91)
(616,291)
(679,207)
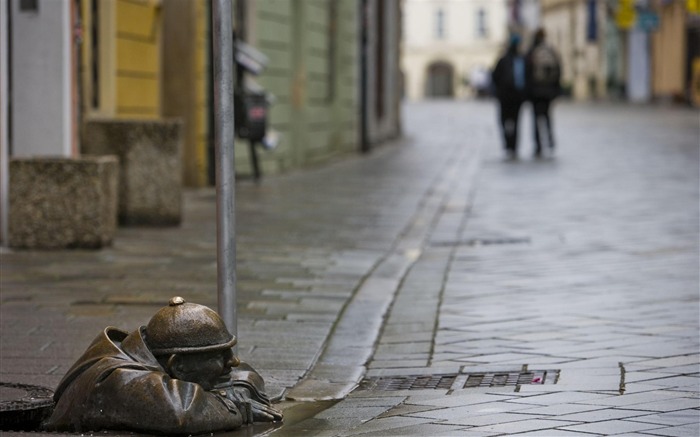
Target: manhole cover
(458,381)
(23,407)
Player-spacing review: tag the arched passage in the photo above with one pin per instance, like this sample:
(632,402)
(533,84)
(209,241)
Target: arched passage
(440,80)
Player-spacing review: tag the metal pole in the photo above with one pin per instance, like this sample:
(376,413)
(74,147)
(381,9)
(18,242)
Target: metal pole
(4,119)
(222,62)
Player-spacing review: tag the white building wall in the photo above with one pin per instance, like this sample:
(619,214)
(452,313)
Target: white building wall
(639,71)
(461,47)
(583,69)
(41,79)
(529,16)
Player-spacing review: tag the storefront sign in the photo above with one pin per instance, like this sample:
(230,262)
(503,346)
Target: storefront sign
(647,21)
(693,6)
(626,16)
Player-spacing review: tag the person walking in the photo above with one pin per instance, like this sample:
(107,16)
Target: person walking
(509,80)
(543,74)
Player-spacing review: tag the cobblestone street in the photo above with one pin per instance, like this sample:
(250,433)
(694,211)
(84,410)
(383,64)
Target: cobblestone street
(586,264)
(553,297)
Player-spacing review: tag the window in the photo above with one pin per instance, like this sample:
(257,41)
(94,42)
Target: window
(440,24)
(94,63)
(482,30)
(29,5)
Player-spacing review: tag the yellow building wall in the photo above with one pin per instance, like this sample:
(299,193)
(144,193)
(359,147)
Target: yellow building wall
(128,49)
(201,93)
(668,51)
(138,63)
(122,41)
(185,80)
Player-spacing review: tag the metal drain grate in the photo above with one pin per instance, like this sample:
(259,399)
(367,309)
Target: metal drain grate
(499,379)
(414,382)
(484,241)
(457,381)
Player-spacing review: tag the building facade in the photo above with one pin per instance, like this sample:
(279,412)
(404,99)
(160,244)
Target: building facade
(637,50)
(573,29)
(448,44)
(39,107)
(333,70)
(313,74)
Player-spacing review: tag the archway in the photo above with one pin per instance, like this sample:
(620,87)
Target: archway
(440,80)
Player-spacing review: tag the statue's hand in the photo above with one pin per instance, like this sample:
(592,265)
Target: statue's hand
(264,413)
(252,410)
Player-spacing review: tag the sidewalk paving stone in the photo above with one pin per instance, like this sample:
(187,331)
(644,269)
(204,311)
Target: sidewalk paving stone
(679,417)
(613,427)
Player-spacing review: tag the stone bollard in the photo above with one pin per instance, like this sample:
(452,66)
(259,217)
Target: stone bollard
(149,151)
(58,203)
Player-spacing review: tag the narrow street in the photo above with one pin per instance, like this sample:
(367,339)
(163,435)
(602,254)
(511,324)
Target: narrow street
(465,295)
(585,266)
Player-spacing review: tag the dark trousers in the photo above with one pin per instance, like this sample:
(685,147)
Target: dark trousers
(510,113)
(543,124)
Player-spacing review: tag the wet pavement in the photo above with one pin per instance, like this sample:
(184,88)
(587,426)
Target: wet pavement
(431,261)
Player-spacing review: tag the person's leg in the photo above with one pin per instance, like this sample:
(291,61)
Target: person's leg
(510,127)
(548,123)
(502,117)
(537,109)
(506,118)
(516,118)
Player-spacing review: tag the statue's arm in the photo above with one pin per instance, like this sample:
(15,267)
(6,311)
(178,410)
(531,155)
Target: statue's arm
(153,401)
(245,387)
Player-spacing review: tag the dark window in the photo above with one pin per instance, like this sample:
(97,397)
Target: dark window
(482,30)
(95,58)
(440,24)
(29,5)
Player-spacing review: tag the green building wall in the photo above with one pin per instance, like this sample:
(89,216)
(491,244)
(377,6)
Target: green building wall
(313,49)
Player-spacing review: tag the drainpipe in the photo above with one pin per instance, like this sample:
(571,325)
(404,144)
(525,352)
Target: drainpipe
(222,65)
(365,145)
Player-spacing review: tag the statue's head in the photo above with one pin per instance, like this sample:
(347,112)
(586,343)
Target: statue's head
(191,342)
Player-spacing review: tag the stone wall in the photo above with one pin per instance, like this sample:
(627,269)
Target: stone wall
(149,151)
(60,203)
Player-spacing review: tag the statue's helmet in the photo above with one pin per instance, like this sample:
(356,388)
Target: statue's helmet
(186,328)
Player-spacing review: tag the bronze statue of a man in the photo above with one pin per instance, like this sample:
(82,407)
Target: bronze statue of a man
(177,375)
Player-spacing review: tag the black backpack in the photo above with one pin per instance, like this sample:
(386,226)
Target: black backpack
(545,65)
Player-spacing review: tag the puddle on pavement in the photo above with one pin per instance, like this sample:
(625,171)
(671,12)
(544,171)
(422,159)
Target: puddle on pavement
(294,412)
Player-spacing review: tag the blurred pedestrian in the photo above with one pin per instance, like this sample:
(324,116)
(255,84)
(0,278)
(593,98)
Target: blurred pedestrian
(509,79)
(543,75)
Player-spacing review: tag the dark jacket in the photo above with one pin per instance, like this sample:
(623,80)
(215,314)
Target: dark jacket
(119,384)
(503,77)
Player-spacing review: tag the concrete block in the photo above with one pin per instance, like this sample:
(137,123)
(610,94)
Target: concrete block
(60,203)
(149,151)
